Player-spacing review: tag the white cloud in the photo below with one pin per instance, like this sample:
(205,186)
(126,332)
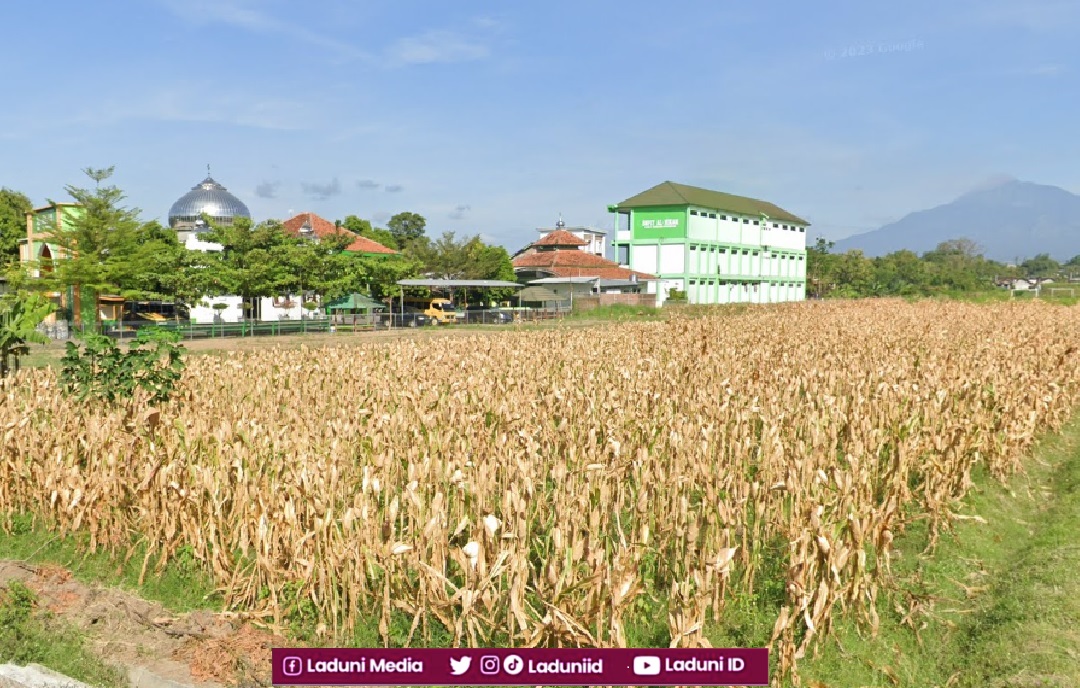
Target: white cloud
(216,105)
(434,47)
(242,15)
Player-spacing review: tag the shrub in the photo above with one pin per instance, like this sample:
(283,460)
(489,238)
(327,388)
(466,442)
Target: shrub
(102,372)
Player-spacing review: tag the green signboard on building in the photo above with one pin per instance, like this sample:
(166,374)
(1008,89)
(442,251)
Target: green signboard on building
(660,223)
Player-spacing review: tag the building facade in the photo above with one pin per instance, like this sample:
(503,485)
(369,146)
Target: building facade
(561,261)
(40,250)
(715,247)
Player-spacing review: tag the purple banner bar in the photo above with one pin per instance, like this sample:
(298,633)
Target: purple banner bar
(521,667)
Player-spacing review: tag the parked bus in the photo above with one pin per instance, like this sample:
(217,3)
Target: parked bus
(154,311)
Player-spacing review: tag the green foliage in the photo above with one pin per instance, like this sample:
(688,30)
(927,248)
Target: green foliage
(1041,265)
(254,260)
(99,240)
(103,373)
(1000,597)
(406,227)
(13,209)
(955,266)
(450,258)
(20,314)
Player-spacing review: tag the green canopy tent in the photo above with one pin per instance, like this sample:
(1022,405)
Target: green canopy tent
(354,303)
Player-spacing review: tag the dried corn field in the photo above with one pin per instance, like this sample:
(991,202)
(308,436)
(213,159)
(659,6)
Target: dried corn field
(528,487)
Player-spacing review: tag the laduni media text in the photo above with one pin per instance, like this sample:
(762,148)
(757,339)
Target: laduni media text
(377,665)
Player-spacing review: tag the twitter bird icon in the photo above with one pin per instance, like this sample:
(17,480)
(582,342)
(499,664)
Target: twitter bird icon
(459,666)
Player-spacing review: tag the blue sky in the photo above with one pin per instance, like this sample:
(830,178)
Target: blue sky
(494,117)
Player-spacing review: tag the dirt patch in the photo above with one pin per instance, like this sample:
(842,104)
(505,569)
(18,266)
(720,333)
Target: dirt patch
(199,648)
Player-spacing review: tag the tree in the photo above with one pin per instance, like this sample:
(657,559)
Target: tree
(854,274)
(155,259)
(97,244)
(958,264)
(380,274)
(901,273)
(253,262)
(13,209)
(449,258)
(406,227)
(1041,265)
(820,267)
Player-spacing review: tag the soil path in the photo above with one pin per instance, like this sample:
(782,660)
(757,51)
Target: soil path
(200,648)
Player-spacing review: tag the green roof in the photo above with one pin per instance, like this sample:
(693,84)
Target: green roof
(355,302)
(670,193)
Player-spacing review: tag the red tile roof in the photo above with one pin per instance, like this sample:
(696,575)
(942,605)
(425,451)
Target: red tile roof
(323,228)
(365,245)
(576,263)
(560,237)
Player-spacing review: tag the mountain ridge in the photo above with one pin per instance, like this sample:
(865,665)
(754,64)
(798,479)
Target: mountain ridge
(1008,218)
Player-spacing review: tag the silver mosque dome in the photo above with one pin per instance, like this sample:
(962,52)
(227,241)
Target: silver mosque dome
(207,197)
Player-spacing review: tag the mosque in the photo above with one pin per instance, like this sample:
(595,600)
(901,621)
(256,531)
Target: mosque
(213,200)
(207,197)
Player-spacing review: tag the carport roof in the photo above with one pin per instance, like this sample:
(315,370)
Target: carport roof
(457,283)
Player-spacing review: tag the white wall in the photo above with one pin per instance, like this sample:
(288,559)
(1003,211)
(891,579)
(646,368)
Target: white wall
(729,231)
(644,258)
(790,238)
(203,314)
(193,243)
(672,258)
(654,287)
(270,313)
(703,228)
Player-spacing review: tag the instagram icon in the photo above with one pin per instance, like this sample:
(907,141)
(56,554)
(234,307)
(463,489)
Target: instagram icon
(489,665)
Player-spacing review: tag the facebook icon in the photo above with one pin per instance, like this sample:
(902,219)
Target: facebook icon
(292,666)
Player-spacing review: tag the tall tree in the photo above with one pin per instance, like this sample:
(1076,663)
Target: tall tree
(97,244)
(155,260)
(958,264)
(820,267)
(406,227)
(253,261)
(13,209)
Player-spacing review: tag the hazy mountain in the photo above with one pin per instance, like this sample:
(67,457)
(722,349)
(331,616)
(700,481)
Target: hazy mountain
(1008,219)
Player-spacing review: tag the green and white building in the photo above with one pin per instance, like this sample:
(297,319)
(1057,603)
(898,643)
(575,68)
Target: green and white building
(716,247)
